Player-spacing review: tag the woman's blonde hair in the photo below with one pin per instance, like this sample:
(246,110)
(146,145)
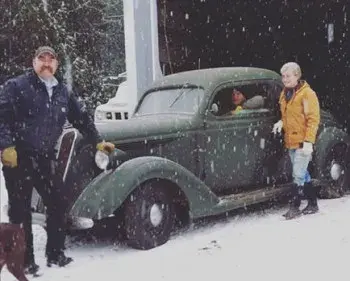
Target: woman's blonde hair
(293,66)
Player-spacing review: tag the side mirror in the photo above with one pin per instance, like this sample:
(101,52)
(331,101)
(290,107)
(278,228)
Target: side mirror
(214,109)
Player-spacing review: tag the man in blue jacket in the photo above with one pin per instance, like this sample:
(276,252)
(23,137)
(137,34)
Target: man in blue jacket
(33,109)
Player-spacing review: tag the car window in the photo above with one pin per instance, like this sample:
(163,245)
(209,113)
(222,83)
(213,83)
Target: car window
(179,100)
(248,96)
(274,91)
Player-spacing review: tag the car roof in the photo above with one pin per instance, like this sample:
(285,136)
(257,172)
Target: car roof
(211,77)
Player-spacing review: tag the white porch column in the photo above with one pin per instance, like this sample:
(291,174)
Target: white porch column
(141,46)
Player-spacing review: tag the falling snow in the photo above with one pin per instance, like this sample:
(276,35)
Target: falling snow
(249,245)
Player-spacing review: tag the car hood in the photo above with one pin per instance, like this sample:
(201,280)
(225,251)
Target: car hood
(110,107)
(146,127)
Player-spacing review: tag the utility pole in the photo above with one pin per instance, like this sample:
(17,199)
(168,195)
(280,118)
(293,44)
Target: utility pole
(141,46)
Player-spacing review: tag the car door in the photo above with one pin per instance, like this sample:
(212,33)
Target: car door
(276,160)
(264,165)
(226,144)
(238,146)
(226,152)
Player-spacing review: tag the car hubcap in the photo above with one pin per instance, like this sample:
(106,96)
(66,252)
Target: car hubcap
(156,215)
(336,171)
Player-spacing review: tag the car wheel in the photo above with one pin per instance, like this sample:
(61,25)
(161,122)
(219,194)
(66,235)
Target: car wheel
(334,174)
(149,216)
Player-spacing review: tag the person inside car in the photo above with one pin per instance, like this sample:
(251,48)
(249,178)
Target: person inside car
(240,102)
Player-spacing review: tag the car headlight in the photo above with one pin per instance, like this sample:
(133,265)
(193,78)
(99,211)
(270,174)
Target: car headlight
(101,160)
(99,115)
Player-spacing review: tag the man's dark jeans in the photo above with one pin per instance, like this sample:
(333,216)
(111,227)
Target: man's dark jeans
(39,172)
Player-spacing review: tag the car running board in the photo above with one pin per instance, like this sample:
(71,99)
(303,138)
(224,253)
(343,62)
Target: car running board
(240,200)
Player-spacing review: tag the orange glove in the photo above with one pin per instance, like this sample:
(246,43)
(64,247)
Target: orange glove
(106,147)
(9,157)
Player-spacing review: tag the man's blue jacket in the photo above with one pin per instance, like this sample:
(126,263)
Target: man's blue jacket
(32,121)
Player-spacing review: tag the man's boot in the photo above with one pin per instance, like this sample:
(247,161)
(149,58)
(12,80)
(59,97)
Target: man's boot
(56,257)
(294,203)
(32,268)
(60,260)
(311,196)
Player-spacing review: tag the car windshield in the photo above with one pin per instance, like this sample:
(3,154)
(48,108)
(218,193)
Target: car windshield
(180,100)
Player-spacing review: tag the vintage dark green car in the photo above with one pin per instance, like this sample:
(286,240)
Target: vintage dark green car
(183,156)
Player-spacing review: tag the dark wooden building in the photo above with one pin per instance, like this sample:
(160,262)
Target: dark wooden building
(263,33)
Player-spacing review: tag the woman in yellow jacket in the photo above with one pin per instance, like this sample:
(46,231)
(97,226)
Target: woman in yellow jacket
(300,112)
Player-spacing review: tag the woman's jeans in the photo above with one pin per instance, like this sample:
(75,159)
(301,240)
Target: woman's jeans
(300,162)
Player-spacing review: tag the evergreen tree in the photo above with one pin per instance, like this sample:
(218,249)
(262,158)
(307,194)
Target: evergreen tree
(88,35)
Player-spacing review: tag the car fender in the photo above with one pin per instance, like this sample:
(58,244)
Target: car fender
(107,192)
(327,139)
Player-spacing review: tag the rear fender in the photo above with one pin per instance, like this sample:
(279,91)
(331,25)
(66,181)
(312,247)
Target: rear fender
(327,139)
(107,192)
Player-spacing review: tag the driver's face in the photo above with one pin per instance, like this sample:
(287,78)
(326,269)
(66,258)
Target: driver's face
(237,97)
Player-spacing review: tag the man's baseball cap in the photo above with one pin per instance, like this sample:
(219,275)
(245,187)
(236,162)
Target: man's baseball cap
(44,50)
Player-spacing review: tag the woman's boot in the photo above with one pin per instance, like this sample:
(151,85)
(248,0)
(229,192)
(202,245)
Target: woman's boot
(294,203)
(310,192)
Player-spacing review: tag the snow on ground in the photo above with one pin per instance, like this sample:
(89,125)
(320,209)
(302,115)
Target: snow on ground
(252,246)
